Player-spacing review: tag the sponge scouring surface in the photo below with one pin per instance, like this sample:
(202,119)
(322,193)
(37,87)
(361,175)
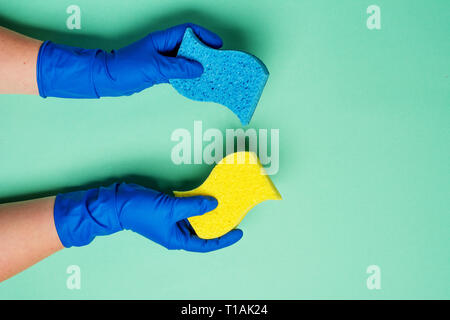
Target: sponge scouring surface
(234,79)
(239,183)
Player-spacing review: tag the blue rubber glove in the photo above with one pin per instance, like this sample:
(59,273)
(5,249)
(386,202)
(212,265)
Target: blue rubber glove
(69,72)
(82,215)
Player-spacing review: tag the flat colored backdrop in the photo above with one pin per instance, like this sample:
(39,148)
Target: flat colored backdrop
(364,151)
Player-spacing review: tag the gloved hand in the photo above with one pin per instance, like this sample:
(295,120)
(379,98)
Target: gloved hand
(69,72)
(81,216)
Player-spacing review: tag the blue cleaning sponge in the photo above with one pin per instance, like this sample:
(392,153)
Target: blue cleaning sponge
(234,79)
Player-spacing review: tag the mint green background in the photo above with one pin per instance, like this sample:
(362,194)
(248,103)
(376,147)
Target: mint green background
(364,151)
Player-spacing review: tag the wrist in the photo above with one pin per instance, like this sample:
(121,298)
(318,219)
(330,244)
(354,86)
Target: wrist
(131,200)
(65,71)
(105,76)
(80,216)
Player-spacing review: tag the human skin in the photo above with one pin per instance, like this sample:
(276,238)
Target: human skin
(18,57)
(27,229)
(27,235)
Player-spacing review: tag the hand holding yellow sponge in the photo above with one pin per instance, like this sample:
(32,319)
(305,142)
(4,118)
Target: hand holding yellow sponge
(239,183)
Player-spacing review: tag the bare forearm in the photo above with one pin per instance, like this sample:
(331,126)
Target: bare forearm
(27,234)
(18,57)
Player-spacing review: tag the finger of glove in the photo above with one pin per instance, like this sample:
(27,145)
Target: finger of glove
(185,207)
(179,68)
(196,244)
(170,39)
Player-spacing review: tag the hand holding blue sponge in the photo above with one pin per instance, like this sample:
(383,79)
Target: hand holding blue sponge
(234,79)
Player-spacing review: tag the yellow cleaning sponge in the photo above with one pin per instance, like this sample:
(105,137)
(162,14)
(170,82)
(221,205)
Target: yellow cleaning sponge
(239,183)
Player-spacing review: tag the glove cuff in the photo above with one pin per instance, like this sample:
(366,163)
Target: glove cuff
(65,71)
(82,215)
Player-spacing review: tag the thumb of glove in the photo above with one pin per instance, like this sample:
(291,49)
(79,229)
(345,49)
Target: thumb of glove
(180,68)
